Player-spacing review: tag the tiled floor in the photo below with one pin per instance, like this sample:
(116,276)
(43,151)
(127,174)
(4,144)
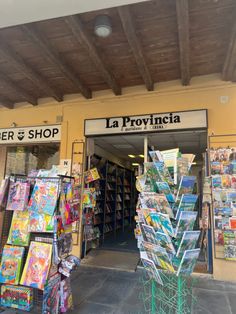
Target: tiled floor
(101,291)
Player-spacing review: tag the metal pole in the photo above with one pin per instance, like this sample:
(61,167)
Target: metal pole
(145,149)
(153,297)
(179,296)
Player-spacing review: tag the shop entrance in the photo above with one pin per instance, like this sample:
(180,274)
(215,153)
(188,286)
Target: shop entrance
(119,159)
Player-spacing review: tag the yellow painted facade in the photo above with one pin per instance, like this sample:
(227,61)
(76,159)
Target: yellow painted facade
(204,93)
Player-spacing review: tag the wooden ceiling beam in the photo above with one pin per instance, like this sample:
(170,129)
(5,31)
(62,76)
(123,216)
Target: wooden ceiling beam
(50,52)
(8,83)
(230,59)
(129,29)
(82,36)
(182,12)
(13,58)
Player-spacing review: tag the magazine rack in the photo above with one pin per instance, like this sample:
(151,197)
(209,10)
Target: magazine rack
(175,297)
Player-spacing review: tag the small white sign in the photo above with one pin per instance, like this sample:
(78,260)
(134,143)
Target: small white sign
(147,123)
(35,134)
(66,165)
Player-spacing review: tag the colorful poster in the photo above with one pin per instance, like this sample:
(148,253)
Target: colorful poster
(11,262)
(188,262)
(44,197)
(188,242)
(17,297)
(19,234)
(18,195)
(41,222)
(37,265)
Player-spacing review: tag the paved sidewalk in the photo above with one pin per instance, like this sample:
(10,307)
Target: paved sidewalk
(101,291)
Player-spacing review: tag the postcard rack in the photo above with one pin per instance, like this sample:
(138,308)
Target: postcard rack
(51,237)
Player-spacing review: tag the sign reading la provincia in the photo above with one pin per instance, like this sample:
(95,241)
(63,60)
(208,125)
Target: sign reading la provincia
(147,123)
(35,134)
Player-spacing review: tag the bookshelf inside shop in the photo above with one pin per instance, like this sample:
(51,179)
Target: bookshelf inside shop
(113,211)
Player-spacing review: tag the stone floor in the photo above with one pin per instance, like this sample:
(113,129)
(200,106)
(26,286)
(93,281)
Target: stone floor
(101,291)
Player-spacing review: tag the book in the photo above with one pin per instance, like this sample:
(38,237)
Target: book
(188,262)
(11,262)
(51,295)
(41,222)
(19,234)
(216,181)
(37,265)
(152,270)
(187,203)
(186,185)
(186,221)
(164,188)
(44,197)
(188,242)
(18,195)
(91,175)
(17,297)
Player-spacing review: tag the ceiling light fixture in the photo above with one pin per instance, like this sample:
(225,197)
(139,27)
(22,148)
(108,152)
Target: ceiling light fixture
(142,156)
(131,156)
(102,26)
(135,164)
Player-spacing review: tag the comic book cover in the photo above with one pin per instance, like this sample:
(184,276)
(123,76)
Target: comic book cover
(44,197)
(188,242)
(18,195)
(187,203)
(217,181)
(164,188)
(37,265)
(152,270)
(188,262)
(19,234)
(186,185)
(186,221)
(17,297)
(11,263)
(41,222)
(51,295)
(89,197)
(91,175)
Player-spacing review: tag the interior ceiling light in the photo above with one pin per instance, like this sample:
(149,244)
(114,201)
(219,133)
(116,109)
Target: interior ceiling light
(102,26)
(142,156)
(135,164)
(131,156)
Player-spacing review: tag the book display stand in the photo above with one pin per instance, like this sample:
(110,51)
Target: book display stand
(165,219)
(36,241)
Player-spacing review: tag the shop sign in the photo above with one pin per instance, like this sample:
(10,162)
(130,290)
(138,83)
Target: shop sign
(147,123)
(37,134)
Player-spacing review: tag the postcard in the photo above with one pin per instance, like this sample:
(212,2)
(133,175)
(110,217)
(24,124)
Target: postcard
(188,262)
(188,242)
(186,221)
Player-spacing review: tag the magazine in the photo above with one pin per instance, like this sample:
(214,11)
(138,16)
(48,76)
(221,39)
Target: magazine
(18,195)
(186,221)
(186,185)
(188,242)
(91,175)
(188,262)
(10,268)
(187,203)
(152,270)
(164,188)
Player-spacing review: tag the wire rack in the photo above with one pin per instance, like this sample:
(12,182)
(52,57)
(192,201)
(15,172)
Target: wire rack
(174,297)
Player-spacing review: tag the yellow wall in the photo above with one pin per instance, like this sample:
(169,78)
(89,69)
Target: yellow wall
(204,93)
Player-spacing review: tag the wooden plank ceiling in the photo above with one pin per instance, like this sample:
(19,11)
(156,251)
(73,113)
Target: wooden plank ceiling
(151,42)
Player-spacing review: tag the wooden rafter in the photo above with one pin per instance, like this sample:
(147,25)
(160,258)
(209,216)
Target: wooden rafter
(182,12)
(129,29)
(55,58)
(13,58)
(230,59)
(81,35)
(8,83)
